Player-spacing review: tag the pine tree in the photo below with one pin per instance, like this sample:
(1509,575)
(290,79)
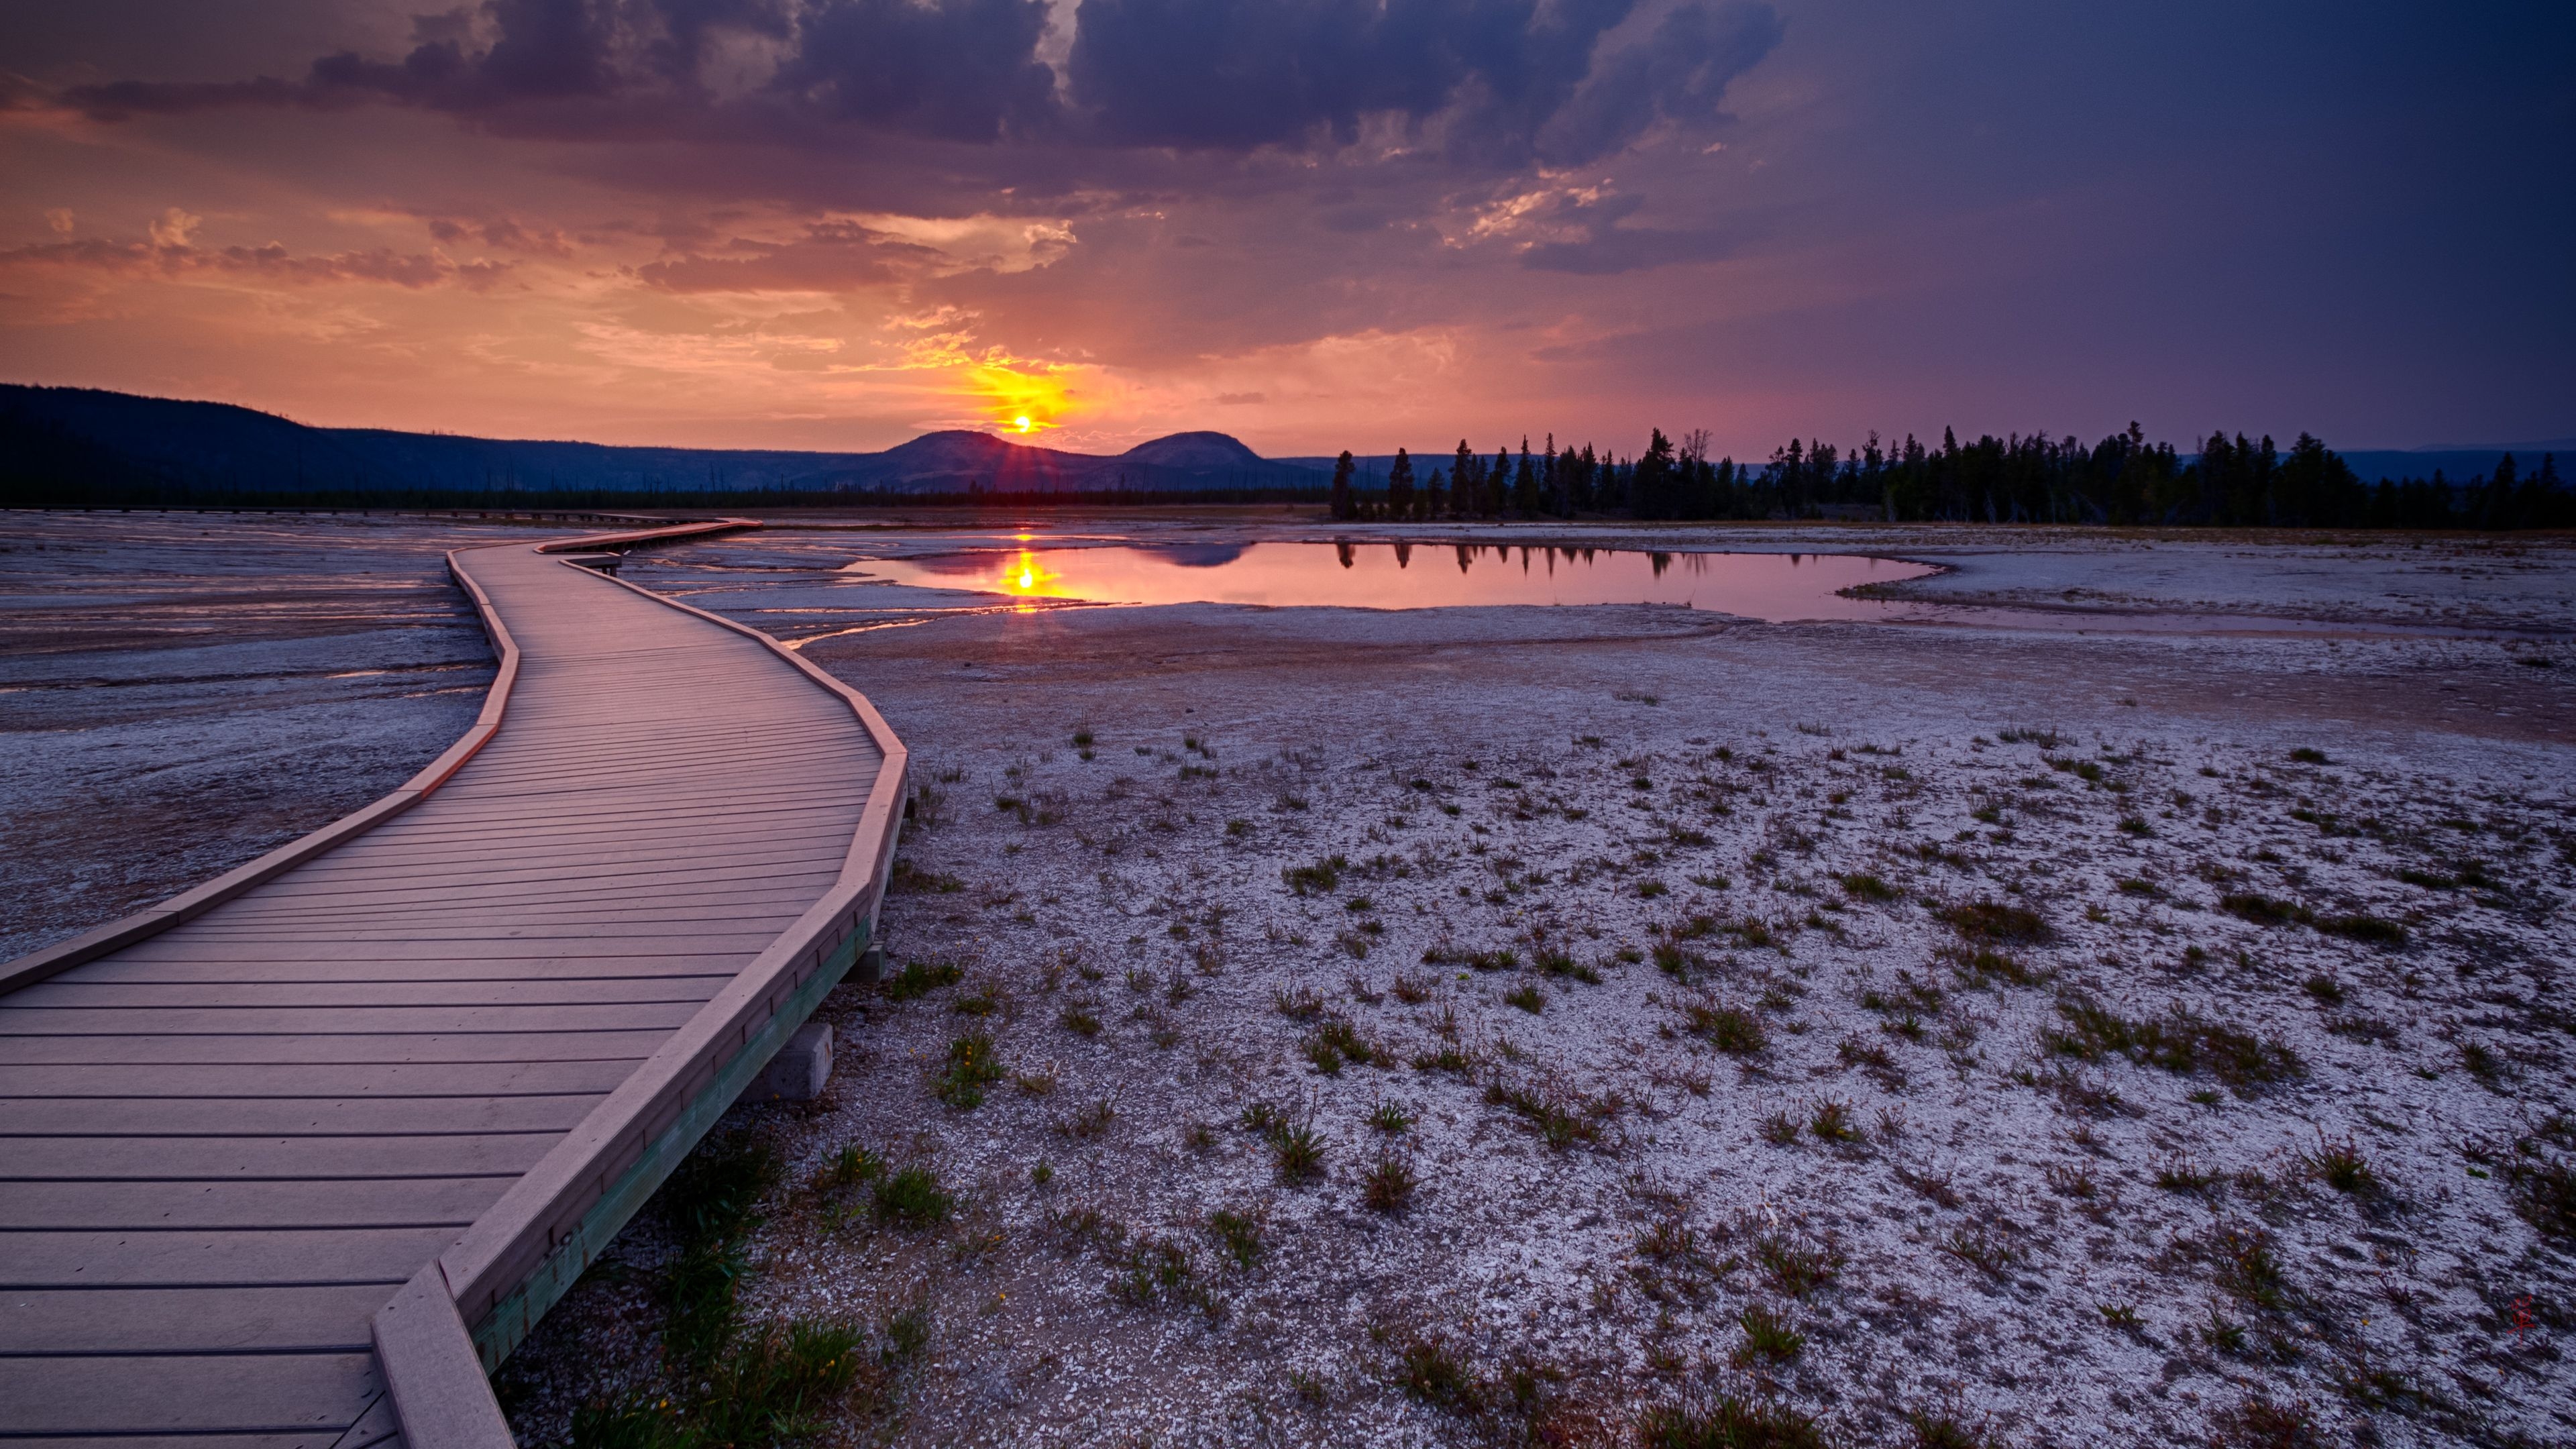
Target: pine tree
(1399,487)
(1525,484)
(1498,482)
(1462,481)
(1651,485)
(1345,507)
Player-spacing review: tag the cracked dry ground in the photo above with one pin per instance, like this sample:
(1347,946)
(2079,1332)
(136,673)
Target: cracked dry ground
(1622,1027)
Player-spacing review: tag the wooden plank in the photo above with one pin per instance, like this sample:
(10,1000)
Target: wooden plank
(185,1394)
(167,1159)
(611,868)
(644,823)
(608,867)
(531,872)
(198,1256)
(263,1079)
(307,1440)
(300,1203)
(284,1050)
(815,815)
(340,1020)
(393,955)
(240,964)
(673,886)
(302,1318)
(285,1116)
(638,906)
(81,991)
(715,755)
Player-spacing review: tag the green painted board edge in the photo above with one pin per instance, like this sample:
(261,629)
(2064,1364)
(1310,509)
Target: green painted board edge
(515,1317)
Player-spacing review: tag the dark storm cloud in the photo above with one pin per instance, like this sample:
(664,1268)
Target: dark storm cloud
(964,71)
(1493,82)
(1508,77)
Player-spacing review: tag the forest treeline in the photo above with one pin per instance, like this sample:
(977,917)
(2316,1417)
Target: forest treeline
(2123,479)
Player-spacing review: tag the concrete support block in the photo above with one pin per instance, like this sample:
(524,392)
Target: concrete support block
(870,967)
(800,1069)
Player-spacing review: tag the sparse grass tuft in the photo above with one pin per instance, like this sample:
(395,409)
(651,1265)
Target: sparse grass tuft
(1239,1234)
(912,1198)
(2374,930)
(2180,1174)
(2260,1423)
(1387,1186)
(1730,1028)
(1981,1248)
(1989,920)
(2340,1165)
(1092,1121)
(1428,1370)
(1298,1150)
(2262,910)
(2180,1042)
(1767,1337)
(973,1065)
(1832,1122)
(1317,879)
(1729,1422)
(920,978)
(1796,1268)
(1561,1116)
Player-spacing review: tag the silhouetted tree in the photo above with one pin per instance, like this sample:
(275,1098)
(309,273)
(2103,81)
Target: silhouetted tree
(1344,505)
(1399,486)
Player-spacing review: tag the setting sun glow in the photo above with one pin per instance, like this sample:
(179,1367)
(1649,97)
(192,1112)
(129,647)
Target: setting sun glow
(1022,398)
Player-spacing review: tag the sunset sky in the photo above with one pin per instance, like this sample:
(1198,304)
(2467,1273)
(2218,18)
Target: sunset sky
(1314,224)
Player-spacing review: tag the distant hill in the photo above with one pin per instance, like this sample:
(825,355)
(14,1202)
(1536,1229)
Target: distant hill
(85,435)
(2455,463)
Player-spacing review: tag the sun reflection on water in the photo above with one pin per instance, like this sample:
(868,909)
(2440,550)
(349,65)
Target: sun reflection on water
(1378,575)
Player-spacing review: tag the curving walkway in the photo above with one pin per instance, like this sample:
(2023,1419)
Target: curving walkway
(293,1159)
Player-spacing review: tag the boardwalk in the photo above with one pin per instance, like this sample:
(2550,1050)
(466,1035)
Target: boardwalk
(451,1044)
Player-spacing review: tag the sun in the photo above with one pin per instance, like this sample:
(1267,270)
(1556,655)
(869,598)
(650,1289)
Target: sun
(1023,399)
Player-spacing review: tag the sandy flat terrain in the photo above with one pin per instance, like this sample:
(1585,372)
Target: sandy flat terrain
(1628,902)
(2013,1033)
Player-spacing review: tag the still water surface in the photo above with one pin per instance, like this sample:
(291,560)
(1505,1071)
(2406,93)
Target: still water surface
(1770,586)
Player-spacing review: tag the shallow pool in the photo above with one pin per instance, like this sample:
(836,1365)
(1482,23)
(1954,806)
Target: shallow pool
(1770,586)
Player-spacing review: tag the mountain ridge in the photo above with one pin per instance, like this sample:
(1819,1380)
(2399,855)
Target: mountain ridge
(229,447)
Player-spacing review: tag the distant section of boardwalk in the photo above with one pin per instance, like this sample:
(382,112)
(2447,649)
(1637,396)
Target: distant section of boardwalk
(354,1116)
